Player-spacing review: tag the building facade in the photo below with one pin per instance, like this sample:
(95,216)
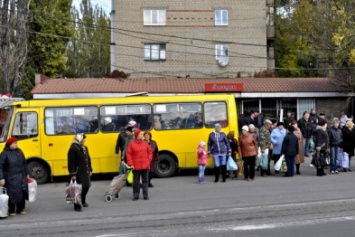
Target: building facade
(197,39)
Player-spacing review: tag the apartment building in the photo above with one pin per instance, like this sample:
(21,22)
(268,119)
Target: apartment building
(197,39)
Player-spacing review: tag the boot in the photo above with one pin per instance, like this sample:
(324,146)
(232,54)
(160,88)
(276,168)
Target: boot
(319,172)
(298,169)
(224,173)
(202,180)
(216,174)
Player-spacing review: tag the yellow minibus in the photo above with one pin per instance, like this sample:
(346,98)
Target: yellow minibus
(46,128)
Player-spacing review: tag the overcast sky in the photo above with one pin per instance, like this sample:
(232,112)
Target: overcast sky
(105,4)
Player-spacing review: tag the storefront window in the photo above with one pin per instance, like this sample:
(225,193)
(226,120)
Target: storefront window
(269,109)
(250,105)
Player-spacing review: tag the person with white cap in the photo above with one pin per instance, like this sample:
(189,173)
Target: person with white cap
(218,147)
(248,150)
(108,125)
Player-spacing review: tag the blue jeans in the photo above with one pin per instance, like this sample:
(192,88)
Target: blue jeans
(201,173)
(219,160)
(290,161)
(306,145)
(334,151)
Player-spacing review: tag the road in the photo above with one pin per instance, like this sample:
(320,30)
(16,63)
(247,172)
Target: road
(304,205)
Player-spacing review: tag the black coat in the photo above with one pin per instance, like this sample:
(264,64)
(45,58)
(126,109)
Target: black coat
(335,136)
(321,139)
(13,169)
(290,145)
(79,164)
(348,141)
(307,127)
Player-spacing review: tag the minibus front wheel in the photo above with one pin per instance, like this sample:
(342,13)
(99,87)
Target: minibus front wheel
(165,166)
(38,170)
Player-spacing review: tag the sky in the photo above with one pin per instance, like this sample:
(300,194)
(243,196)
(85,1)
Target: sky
(105,4)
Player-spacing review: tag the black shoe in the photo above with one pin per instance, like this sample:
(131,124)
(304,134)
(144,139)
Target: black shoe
(78,209)
(151,185)
(134,199)
(350,170)
(298,172)
(85,204)
(286,175)
(146,198)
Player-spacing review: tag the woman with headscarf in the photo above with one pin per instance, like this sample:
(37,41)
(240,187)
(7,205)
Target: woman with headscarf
(218,147)
(153,145)
(139,156)
(322,145)
(248,150)
(13,175)
(79,167)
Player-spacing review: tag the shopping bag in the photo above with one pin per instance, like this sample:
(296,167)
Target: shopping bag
(264,161)
(343,160)
(73,192)
(4,203)
(278,164)
(231,165)
(240,165)
(32,190)
(130,177)
(283,168)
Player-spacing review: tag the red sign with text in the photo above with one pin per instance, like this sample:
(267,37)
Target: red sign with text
(223,87)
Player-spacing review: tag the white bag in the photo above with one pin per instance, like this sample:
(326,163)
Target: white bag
(32,190)
(278,164)
(4,203)
(266,152)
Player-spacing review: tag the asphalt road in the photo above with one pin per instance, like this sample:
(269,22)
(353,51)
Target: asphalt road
(304,205)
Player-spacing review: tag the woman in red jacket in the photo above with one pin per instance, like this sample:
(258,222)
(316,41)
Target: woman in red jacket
(248,149)
(139,157)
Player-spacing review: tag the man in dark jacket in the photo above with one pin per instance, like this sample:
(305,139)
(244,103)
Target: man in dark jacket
(290,150)
(307,128)
(335,141)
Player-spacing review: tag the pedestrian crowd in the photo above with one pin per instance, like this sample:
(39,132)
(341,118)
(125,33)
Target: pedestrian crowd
(286,143)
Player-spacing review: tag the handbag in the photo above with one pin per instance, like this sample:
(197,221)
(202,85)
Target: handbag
(231,165)
(278,164)
(130,177)
(240,164)
(73,192)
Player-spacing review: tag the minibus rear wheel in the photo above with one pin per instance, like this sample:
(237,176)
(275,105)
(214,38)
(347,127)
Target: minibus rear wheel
(39,171)
(165,166)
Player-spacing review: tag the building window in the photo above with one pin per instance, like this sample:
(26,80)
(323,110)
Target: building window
(154,52)
(222,54)
(154,17)
(221,17)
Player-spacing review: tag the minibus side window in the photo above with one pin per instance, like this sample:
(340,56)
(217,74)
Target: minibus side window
(114,118)
(215,112)
(71,120)
(177,116)
(25,125)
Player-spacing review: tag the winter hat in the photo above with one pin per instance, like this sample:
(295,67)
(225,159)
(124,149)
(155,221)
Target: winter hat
(129,129)
(202,143)
(136,134)
(246,128)
(291,128)
(10,141)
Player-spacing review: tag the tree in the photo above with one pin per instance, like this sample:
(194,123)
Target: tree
(14,30)
(89,51)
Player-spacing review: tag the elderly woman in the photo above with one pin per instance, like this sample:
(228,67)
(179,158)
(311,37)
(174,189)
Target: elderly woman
(218,147)
(248,150)
(13,174)
(299,158)
(322,145)
(348,143)
(277,137)
(153,145)
(139,157)
(79,167)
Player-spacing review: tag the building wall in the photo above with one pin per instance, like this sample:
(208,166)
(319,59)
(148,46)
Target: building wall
(190,35)
(332,107)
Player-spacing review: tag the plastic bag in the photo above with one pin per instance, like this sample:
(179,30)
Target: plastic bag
(32,190)
(278,164)
(231,165)
(283,168)
(130,177)
(4,203)
(343,160)
(73,192)
(264,161)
